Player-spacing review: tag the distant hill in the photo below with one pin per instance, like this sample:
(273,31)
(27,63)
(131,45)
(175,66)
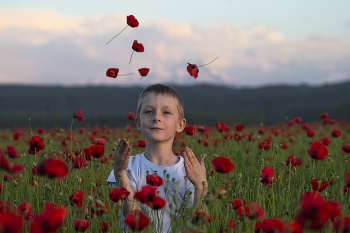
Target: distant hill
(204,104)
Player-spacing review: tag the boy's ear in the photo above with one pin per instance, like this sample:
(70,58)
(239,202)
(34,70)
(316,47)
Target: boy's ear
(181,126)
(137,123)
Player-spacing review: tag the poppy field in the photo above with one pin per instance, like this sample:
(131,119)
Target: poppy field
(289,177)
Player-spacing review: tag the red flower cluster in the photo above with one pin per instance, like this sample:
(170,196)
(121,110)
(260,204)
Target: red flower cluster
(292,161)
(149,196)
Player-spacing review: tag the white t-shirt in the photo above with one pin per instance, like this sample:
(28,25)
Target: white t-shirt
(139,165)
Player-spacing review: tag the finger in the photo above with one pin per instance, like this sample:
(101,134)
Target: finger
(126,147)
(129,152)
(190,156)
(122,146)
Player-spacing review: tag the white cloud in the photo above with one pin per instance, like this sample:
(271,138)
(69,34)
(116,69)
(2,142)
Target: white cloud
(42,46)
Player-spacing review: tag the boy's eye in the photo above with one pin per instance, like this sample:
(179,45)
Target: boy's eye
(151,111)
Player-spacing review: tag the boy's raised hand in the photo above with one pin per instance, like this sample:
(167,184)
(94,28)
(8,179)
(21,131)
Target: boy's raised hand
(121,155)
(195,171)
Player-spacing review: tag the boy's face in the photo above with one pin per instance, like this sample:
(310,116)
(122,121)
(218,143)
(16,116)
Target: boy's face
(159,111)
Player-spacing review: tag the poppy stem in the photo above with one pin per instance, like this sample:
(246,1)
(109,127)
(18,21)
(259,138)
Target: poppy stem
(124,74)
(71,136)
(208,63)
(131,56)
(117,35)
(30,127)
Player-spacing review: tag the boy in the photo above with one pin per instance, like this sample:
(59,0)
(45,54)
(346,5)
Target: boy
(159,116)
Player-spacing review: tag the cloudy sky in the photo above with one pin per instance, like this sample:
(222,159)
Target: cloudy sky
(259,43)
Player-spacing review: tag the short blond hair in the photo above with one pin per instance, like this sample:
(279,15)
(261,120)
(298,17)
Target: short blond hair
(166,91)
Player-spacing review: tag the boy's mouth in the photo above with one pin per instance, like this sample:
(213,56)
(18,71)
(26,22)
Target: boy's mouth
(157,128)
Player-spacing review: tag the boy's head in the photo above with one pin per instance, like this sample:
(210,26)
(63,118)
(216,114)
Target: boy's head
(158,96)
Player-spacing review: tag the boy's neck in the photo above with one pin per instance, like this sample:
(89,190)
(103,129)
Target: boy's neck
(161,158)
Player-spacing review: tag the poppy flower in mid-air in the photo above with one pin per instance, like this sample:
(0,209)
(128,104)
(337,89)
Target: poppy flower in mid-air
(193,70)
(143,72)
(113,73)
(138,47)
(131,21)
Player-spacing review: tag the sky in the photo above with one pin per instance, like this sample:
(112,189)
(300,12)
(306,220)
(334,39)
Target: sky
(259,43)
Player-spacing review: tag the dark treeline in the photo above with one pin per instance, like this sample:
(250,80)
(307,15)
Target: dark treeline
(204,104)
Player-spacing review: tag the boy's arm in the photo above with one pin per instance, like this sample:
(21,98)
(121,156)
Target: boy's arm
(129,206)
(199,195)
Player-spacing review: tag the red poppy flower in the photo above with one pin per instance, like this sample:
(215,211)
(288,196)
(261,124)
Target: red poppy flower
(143,72)
(147,194)
(294,162)
(76,198)
(117,193)
(243,211)
(131,21)
(193,70)
(264,145)
(11,151)
(50,205)
(40,130)
(272,225)
(311,133)
(8,166)
(239,127)
(255,211)
(104,226)
(310,204)
(136,220)
(53,168)
(81,224)
(336,133)
(346,190)
(219,192)
(7,178)
(141,143)
(284,146)
(49,220)
(342,224)
(113,73)
(157,204)
(223,165)
(325,121)
(154,180)
(326,141)
(324,115)
(266,174)
(333,208)
(25,209)
(131,116)
(257,226)
(318,150)
(261,130)
(82,130)
(190,130)
(346,148)
(306,127)
(201,129)
(236,203)
(97,151)
(99,208)
(36,144)
(11,222)
(347,178)
(319,187)
(138,47)
(77,115)
(221,126)
(293,227)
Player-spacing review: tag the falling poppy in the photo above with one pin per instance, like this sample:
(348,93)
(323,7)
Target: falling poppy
(117,193)
(77,115)
(154,180)
(36,144)
(81,224)
(143,72)
(223,165)
(318,150)
(138,47)
(193,70)
(137,220)
(131,21)
(113,73)
(53,168)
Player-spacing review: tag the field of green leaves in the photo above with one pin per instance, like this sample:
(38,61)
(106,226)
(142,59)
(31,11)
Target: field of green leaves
(289,177)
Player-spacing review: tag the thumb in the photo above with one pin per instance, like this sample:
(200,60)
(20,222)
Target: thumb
(202,161)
